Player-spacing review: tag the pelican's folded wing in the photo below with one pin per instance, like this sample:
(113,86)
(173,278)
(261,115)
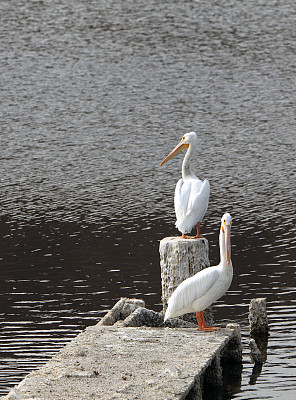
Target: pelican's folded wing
(199,200)
(182,195)
(190,290)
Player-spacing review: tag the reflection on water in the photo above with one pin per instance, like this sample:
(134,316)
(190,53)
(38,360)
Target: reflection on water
(256,371)
(94,95)
(258,355)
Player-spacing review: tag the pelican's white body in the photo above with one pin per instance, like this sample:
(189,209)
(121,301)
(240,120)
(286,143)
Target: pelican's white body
(191,202)
(201,290)
(191,194)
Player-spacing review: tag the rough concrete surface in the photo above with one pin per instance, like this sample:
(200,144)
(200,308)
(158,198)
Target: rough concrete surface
(116,362)
(121,310)
(132,312)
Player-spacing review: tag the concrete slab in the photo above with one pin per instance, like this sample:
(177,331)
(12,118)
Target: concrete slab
(115,362)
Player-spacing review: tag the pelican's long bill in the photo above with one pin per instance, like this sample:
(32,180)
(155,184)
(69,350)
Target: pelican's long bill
(227,243)
(176,150)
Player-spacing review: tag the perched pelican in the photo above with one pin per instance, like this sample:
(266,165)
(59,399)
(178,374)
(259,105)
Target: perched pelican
(201,290)
(191,194)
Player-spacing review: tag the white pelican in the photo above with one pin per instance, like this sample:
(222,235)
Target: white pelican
(191,194)
(199,291)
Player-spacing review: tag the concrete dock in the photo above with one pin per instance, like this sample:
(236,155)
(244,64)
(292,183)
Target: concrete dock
(128,363)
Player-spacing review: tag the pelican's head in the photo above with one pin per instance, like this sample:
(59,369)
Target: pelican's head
(225,229)
(189,139)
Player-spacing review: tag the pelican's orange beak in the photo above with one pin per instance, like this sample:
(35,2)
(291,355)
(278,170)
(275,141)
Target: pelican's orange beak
(176,150)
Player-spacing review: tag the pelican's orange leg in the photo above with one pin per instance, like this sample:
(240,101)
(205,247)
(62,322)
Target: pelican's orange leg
(197,236)
(202,326)
(186,236)
(198,231)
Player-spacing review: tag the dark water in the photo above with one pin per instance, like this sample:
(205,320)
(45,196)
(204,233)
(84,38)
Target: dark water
(93,96)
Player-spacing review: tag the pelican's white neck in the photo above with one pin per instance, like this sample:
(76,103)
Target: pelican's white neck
(222,247)
(186,168)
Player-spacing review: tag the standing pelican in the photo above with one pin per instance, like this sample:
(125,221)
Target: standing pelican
(191,194)
(199,291)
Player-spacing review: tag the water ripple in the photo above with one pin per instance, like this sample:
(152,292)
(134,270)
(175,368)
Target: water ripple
(89,108)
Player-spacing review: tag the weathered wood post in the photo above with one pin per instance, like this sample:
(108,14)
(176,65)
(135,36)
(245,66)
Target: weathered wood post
(258,334)
(258,317)
(180,259)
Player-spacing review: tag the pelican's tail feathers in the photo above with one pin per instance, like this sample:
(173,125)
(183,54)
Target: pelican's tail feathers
(183,226)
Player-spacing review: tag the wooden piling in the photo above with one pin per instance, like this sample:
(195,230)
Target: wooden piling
(258,317)
(180,259)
